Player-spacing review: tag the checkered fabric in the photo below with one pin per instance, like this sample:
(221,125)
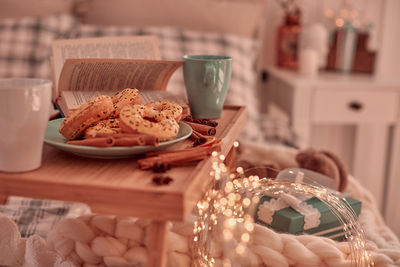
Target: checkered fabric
(175,42)
(35,216)
(25,44)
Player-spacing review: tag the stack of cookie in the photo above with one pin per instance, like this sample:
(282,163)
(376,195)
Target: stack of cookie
(122,116)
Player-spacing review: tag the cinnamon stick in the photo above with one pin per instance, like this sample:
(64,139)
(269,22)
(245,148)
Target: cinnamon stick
(129,141)
(148,163)
(117,135)
(126,139)
(203,129)
(208,122)
(215,143)
(98,142)
(150,140)
(197,138)
(178,156)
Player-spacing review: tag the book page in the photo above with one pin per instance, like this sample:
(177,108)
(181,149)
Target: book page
(116,74)
(128,47)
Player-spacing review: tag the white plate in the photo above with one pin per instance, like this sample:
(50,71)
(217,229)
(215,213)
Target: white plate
(55,139)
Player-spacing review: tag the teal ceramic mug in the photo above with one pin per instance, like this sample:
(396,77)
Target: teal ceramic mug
(207,79)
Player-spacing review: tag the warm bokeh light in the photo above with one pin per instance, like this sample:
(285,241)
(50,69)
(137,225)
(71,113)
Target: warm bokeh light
(225,210)
(340,22)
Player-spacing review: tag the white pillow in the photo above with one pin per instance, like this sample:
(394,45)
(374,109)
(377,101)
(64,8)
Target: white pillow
(36,8)
(242,18)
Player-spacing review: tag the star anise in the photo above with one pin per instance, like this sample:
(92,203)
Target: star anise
(162,180)
(161,167)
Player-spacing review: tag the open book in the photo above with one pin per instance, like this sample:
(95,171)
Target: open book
(88,67)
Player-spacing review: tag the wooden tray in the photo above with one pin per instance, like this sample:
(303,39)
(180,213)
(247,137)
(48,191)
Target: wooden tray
(118,186)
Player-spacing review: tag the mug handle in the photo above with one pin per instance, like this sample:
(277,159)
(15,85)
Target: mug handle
(209,75)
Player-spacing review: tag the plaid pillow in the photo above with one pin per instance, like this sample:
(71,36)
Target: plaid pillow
(25,44)
(35,216)
(175,42)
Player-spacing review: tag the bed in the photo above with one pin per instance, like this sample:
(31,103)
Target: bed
(235,28)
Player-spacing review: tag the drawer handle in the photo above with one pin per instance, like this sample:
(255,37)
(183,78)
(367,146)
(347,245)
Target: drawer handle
(356,106)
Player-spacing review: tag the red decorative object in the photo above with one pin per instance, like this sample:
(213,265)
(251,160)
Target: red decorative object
(363,60)
(287,41)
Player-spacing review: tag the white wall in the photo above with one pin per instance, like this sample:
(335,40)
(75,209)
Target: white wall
(388,65)
(389,68)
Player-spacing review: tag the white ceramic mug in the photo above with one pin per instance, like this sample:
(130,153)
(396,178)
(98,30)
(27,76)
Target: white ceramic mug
(24,113)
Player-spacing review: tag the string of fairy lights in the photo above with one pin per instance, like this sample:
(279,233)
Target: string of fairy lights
(227,210)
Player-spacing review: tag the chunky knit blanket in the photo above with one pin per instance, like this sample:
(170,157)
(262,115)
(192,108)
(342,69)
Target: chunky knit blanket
(101,240)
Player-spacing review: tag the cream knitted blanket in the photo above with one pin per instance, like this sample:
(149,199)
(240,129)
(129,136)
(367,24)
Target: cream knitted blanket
(99,240)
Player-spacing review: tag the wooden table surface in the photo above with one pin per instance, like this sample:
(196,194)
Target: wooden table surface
(117,186)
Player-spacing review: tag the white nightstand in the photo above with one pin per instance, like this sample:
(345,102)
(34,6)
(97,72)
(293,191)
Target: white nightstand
(350,115)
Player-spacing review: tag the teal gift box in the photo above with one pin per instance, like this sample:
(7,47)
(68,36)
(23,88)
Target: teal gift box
(288,220)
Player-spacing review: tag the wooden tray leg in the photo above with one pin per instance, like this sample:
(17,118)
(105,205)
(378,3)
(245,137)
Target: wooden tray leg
(230,159)
(157,246)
